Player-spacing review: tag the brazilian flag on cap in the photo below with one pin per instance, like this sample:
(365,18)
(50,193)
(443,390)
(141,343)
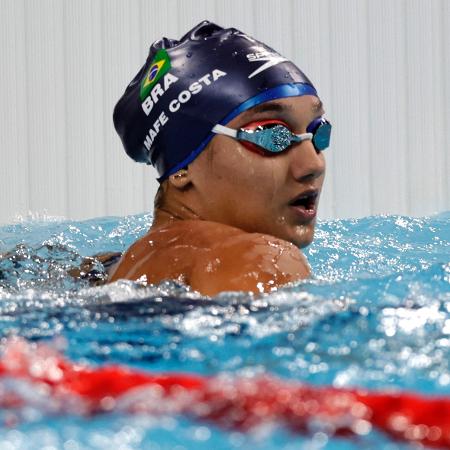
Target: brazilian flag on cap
(159,67)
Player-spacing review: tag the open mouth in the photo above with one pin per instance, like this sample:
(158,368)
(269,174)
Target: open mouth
(306,201)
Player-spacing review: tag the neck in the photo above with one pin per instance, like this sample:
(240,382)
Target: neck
(172,212)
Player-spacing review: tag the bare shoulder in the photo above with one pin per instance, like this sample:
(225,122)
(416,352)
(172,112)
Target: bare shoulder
(248,262)
(213,257)
(170,251)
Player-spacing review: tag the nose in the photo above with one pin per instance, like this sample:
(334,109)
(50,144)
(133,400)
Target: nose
(306,163)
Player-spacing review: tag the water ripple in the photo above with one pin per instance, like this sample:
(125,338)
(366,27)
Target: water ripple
(376,314)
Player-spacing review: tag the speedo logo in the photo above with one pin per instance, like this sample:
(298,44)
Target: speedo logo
(159,67)
(271,59)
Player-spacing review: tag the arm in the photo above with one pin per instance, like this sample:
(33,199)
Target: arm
(248,262)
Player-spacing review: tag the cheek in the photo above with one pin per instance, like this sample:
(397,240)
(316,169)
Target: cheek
(246,172)
(230,163)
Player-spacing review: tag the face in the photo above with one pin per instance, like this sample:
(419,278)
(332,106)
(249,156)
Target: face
(274,194)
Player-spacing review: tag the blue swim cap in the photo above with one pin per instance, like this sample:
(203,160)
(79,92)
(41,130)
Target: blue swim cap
(185,87)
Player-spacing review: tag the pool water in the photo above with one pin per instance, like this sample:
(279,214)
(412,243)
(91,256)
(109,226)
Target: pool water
(376,315)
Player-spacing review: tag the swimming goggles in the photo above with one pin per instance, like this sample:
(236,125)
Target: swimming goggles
(279,138)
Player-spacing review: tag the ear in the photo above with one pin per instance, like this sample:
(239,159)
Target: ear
(181,179)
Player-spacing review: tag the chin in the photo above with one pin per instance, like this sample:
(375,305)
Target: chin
(302,236)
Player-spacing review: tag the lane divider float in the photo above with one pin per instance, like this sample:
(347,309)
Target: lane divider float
(239,403)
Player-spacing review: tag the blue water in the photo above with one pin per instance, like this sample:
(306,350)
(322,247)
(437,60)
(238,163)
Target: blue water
(376,315)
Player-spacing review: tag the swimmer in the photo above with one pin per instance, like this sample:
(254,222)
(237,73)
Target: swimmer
(236,133)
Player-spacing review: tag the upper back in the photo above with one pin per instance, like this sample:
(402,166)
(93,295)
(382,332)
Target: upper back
(212,257)
(170,251)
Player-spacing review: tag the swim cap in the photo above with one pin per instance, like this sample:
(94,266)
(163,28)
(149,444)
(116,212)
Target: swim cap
(185,87)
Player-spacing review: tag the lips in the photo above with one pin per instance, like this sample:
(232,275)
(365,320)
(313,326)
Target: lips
(304,205)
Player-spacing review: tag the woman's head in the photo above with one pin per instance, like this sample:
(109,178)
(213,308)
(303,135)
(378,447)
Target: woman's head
(168,117)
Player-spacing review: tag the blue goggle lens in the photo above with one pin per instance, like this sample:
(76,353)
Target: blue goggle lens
(321,130)
(279,138)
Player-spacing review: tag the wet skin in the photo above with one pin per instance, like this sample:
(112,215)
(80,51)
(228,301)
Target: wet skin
(229,221)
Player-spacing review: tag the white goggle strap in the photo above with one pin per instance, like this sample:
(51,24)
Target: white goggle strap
(220,129)
(304,137)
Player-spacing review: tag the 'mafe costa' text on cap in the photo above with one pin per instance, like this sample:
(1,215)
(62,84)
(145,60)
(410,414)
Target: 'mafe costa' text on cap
(175,104)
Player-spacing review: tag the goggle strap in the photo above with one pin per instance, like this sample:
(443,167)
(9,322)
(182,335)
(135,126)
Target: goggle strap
(302,137)
(220,129)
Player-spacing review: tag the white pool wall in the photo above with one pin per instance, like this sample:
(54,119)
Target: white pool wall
(381,67)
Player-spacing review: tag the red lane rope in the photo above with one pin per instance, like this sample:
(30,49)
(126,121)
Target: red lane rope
(239,403)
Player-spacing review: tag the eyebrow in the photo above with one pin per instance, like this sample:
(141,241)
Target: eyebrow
(271,107)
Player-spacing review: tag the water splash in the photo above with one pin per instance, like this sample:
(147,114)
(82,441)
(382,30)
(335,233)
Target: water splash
(376,315)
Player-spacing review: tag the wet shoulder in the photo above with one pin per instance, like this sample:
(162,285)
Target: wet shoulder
(206,239)
(212,257)
(170,251)
(248,262)
(260,250)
